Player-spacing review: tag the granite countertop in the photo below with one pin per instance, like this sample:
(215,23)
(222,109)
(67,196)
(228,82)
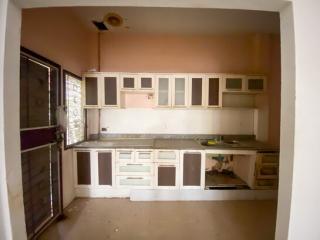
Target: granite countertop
(179,144)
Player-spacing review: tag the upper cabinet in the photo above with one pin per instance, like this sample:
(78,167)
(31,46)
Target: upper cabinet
(110,90)
(163,90)
(214,92)
(146,82)
(234,83)
(243,83)
(197,90)
(179,90)
(128,81)
(90,88)
(256,83)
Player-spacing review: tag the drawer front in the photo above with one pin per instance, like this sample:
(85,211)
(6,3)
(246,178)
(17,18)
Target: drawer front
(167,156)
(266,184)
(269,171)
(144,156)
(269,159)
(133,169)
(138,182)
(125,155)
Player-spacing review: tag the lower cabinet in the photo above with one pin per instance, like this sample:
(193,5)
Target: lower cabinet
(192,170)
(94,168)
(167,176)
(267,171)
(135,182)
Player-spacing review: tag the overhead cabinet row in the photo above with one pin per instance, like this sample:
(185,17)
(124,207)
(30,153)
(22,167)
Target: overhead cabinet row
(172,90)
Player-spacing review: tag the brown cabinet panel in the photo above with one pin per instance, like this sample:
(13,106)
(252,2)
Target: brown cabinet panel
(83,168)
(91,88)
(105,168)
(192,169)
(196,97)
(110,90)
(167,176)
(128,82)
(213,92)
(234,83)
(146,82)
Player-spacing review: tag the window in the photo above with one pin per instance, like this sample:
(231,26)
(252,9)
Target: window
(74,111)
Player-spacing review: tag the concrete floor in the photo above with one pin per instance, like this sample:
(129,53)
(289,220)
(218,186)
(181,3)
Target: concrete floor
(96,219)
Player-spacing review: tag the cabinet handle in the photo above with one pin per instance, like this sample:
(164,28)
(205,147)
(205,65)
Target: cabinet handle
(135,178)
(135,164)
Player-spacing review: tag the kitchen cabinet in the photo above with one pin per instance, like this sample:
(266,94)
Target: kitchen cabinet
(234,83)
(134,169)
(125,155)
(197,90)
(110,90)
(145,82)
(267,171)
(179,91)
(163,91)
(90,90)
(192,172)
(128,81)
(105,166)
(167,176)
(167,156)
(83,168)
(256,84)
(214,92)
(135,182)
(144,156)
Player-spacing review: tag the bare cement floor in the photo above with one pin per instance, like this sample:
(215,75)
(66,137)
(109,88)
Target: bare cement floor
(95,219)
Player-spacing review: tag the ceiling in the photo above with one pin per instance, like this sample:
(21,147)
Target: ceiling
(183,20)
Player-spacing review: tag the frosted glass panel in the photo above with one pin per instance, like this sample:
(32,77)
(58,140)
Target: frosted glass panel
(167,155)
(125,155)
(179,91)
(135,168)
(135,182)
(144,155)
(163,91)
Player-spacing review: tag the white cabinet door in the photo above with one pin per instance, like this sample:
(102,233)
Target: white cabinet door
(125,155)
(144,155)
(213,91)
(166,156)
(145,81)
(256,84)
(110,92)
(167,176)
(91,90)
(192,169)
(128,81)
(84,170)
(104,168)
(135,182)
(134,169)
(197,90)
(234,83)
(163,90)
(179,90)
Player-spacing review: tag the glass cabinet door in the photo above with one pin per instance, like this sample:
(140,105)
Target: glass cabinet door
(91,91)
(213,91)
(196,91)
(163,91)
(256,83)
(180,90)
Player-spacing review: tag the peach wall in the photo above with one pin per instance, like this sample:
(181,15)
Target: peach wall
(184,53)
(58,35)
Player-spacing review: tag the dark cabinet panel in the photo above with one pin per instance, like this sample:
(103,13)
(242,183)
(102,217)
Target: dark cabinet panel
(234,83)
(128,82)
(192,169)
(83,168)
(213,92)
(110,90)
(105,168)
(91,88)
(256,84)
(146,82)
(167,176)
(196,94)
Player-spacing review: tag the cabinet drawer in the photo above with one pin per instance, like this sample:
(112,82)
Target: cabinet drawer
(167,156)
(144,156)
(266,184)
(134,169)
(269,171)
(140,182)
(268,158)
(125,155)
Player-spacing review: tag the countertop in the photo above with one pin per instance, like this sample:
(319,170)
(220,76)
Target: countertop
(179,144)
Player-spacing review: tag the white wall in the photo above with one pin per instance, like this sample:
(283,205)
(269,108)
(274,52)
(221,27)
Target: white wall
(11,134)
(180,121)
(305,209)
